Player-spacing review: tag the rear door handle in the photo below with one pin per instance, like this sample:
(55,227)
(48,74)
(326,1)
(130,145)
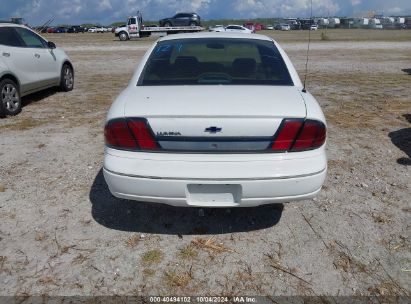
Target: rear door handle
(37,55)
(6,54)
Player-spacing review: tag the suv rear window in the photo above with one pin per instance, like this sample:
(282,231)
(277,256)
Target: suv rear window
(210,61)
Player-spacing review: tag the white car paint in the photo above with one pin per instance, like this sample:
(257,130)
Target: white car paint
(216,28)
(313,27)
(207,179)
(34,68)
(232,28)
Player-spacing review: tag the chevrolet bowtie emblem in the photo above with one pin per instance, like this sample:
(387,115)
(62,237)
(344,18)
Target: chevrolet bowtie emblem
(213,130)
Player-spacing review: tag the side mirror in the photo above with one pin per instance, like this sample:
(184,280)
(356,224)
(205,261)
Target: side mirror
(51,45)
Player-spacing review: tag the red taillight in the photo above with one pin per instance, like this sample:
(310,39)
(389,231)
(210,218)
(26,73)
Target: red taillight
(299,135)
(118,135)
(143,135)
(130,134)
(312,136)
(286,135)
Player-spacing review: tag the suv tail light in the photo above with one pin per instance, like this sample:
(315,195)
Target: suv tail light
(299,135)
(130,134)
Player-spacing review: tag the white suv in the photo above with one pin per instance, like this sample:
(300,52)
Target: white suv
(29,63)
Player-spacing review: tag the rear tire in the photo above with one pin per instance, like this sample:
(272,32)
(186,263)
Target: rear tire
(167,24)
(67,78)
(10,100)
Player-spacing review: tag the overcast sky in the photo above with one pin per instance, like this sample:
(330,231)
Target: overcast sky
(107,11)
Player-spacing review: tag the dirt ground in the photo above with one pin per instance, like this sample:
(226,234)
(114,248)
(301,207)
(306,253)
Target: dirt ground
(62,233)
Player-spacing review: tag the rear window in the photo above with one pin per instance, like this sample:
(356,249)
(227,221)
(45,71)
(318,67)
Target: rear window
(215,61)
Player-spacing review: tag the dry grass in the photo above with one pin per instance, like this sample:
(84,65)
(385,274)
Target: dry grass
(149,272)
(381,218)
(3,260)
(21,123)
(349,264)
(40,236)
(152,256)
(2,188)
(210,245)
(48,280)
(132,241)
(179,279)
(79,259)
(276,264)
(188,252)
(384,289)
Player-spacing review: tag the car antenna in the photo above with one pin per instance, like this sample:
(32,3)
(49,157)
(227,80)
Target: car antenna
(308,47)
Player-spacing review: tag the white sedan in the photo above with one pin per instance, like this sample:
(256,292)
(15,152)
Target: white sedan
(215,120)
(29,63)
(231,29)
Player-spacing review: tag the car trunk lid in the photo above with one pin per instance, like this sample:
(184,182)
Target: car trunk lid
(215,118)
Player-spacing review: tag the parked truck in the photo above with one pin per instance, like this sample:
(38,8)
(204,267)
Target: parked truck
(134,28)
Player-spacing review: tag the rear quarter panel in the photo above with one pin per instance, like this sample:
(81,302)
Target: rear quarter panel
(313,108)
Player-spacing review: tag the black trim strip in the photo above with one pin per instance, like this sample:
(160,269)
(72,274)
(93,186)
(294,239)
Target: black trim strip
(215,138)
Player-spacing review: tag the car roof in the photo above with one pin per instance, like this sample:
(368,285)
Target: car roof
(13,24)
(215,35)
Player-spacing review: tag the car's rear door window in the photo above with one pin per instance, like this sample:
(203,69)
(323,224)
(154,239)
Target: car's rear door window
(9,37)
(215,61)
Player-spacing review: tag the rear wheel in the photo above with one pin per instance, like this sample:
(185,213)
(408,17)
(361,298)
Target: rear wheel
(10,100)
(167,24)
(192,23)
(67,78)
(123,36)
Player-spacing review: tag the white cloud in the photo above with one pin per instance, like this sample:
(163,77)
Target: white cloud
(104,5)
(395,10)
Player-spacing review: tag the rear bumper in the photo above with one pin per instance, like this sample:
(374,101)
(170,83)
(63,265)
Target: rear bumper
(197,182)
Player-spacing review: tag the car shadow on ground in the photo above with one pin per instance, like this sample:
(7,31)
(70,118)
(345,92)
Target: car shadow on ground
(133,216)
(408,71)
(35,97)
(402,139)
(38,96)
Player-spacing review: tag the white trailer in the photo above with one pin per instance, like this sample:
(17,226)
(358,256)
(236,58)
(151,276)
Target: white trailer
(135,29)
(400,20)
(323,22)
(334,22)
(361,22)
(375,23)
